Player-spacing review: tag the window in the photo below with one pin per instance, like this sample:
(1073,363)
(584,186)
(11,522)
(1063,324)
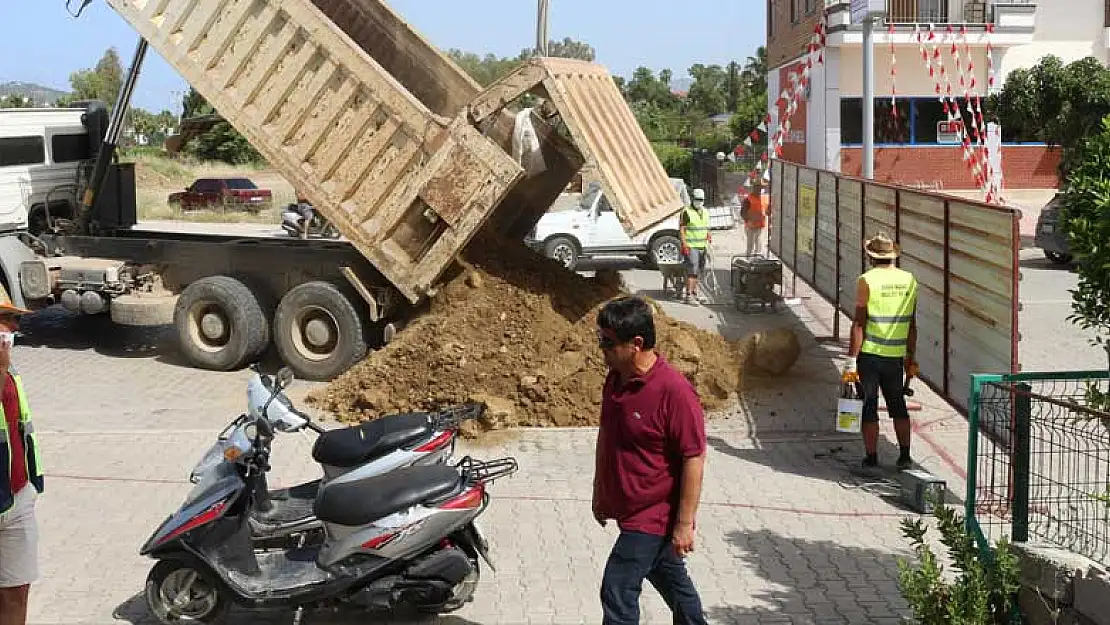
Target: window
(207,185)
(70,148)
(794,10)
(888,128)
(240,184)
(916,123)
(773,6)
(22,151)
(811,6)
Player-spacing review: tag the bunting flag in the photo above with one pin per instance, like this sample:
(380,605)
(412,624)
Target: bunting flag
(762,127)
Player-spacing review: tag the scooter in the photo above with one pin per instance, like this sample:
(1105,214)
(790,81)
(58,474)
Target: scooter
(293,218)
(346,455)
(408,538)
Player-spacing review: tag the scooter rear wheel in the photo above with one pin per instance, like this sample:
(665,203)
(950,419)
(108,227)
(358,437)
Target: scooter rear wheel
(177,593)
(463,594)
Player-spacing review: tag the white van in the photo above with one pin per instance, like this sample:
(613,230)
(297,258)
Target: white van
(40,151)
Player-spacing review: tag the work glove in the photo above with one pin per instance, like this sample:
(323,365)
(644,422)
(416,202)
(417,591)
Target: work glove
(912,368)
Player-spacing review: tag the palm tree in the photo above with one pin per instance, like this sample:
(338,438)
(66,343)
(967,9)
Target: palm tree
(755,70)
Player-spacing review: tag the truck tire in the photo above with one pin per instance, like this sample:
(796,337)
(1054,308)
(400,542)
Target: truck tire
(562,249)
(318,331)
(664,248)
(220,324)
(143,310)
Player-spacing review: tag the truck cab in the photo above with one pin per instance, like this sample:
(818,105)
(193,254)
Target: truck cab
(589,228)
(41,152)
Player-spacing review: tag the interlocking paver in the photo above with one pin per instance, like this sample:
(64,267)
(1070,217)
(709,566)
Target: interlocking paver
(781,537)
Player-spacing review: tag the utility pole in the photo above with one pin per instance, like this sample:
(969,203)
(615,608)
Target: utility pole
(869,97)
(867,12)
(541,28)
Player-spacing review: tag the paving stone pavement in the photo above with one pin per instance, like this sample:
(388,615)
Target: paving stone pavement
(785,533)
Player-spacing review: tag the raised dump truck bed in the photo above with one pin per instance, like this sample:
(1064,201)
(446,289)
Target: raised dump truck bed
(387,137)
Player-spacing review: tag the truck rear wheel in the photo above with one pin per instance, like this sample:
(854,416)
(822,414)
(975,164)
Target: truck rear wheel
(220,323)
(318,331)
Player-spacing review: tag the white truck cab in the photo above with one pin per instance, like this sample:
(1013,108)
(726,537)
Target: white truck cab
(40,153)
(590,228)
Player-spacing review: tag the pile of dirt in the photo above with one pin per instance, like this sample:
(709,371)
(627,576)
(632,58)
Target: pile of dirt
(516,331)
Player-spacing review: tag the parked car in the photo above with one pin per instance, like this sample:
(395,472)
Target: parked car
(223,193)
(1050,236)
(591,229)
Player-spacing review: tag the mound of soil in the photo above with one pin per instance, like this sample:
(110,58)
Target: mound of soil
(516,331)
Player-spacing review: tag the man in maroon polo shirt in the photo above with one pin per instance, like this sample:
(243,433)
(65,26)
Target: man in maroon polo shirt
(649,462)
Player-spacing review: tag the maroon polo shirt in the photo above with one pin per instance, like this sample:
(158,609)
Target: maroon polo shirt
(649,425)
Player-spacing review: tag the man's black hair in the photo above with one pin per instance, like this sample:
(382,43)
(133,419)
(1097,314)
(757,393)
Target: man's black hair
(628,317)
(882,262)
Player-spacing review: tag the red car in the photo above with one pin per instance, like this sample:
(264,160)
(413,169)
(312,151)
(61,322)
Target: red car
(223,193)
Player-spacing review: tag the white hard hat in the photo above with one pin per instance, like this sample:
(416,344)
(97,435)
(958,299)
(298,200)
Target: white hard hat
(699,194)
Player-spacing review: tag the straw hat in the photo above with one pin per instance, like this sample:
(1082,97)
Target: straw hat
(880,247)
(7,308)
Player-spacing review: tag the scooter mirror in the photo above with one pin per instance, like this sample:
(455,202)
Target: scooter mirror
(284,377)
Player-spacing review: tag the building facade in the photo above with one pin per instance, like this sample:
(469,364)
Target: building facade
(914,61)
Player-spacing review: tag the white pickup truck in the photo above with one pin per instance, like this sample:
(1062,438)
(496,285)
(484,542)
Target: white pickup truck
(590,229)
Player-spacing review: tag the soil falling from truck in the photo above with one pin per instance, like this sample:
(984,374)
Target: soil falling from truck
(517,331)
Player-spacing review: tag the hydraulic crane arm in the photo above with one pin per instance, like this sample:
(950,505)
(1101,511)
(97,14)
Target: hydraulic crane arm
(107,151)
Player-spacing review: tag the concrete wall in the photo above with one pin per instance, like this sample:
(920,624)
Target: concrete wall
(912,77)
(1059,587)
(1070,29)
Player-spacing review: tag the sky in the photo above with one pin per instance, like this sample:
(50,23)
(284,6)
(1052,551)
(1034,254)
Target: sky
(41,43)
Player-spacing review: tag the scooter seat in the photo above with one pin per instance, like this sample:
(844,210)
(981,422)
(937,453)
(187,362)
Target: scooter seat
(365,501)
(359,444)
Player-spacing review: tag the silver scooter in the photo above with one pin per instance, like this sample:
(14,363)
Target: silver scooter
(345,455)
(407,538)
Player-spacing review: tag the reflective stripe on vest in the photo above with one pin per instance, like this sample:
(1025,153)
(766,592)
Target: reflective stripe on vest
(890,308)
(30,447)
(697,227)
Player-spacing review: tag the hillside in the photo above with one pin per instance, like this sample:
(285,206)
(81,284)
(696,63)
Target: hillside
(40,94)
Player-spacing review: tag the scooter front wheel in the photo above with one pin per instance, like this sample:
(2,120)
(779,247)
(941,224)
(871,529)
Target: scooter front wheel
(177,593)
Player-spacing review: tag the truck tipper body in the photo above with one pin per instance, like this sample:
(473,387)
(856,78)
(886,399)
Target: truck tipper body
(389,139)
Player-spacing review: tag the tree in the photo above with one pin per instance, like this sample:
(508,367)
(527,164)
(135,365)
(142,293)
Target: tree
(1086,220)
(102,82)
(1055,103)
(220,143)
(486,70)
(15,101)
(708,93)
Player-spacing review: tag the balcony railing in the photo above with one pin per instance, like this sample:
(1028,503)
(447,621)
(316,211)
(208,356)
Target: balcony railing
(942,11)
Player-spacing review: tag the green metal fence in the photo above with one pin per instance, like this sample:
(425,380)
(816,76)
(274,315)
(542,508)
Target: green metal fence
(1039,460)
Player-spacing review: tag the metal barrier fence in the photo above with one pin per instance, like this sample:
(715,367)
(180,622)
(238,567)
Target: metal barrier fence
(963,253)
(1039,461)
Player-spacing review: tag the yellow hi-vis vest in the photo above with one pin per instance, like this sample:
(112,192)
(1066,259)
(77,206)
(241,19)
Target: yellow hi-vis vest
(697,227)
(30,447)
(891,305)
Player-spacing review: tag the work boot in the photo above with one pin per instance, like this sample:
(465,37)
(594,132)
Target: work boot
(870,461)
(904,460)
(689,299)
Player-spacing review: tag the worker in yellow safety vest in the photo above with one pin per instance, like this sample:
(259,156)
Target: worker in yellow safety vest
(694,231)
(20,480)
(884,338)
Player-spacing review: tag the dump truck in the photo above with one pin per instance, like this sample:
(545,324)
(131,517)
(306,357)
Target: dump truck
(388,138)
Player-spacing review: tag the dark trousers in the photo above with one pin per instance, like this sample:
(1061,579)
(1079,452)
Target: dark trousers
(886,374)
(636,557)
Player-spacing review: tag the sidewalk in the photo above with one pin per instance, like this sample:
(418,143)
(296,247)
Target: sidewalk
(786,534)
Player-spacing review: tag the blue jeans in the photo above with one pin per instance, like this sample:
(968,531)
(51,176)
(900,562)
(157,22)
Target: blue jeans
(635,557)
